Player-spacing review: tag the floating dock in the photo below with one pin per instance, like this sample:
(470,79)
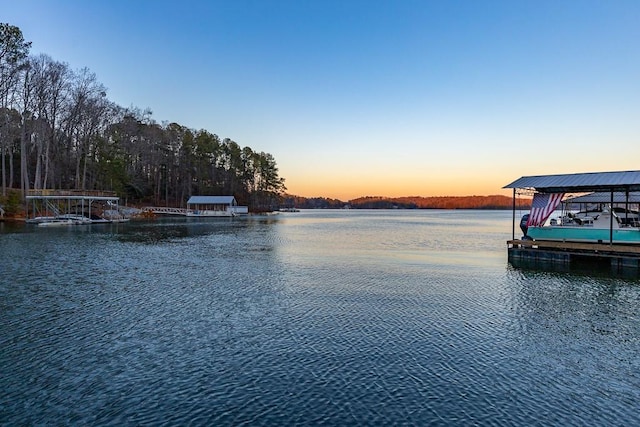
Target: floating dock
(616,258)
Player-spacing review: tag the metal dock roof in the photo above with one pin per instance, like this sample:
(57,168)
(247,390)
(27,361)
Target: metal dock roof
(211,200)
(580,182)
(618,197)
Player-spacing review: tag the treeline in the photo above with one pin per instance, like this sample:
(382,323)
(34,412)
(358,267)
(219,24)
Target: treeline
(290,201)
(462,202)
(448,202)
(58,130)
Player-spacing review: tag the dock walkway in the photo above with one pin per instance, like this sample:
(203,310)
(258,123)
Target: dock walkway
(163,210)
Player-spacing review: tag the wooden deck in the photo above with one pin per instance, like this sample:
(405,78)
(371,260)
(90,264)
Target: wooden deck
(617,259)
(594,248)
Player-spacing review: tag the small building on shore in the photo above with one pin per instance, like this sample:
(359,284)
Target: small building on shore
(200,206)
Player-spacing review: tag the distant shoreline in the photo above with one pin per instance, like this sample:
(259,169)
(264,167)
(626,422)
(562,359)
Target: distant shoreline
(498,202)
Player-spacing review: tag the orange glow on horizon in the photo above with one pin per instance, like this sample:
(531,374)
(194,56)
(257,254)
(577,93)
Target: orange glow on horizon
(346,189)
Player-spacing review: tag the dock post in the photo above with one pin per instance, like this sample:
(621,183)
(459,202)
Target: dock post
(513,219)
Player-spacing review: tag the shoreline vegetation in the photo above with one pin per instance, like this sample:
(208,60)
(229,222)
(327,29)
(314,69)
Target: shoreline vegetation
(14,207)
(59,130)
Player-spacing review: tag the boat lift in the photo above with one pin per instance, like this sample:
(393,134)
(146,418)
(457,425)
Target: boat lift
(46,205)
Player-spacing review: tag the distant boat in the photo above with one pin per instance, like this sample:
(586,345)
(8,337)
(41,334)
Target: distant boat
(55,223)
(71,219)
(289,210)
(40,219)
(64,220)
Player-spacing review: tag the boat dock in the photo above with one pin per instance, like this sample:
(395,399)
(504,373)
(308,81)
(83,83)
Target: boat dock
(606,238)
(49,207)
(203,206)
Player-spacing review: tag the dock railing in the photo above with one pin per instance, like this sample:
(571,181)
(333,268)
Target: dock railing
(165,210)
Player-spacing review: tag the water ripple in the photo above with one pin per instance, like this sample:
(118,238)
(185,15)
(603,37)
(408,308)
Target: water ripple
(334,318)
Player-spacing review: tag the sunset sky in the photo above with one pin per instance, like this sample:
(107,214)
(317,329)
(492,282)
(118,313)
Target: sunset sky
(362,98)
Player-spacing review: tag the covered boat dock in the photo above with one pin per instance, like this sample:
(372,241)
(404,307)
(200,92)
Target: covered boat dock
(607,188)
(45,206)
(214,206)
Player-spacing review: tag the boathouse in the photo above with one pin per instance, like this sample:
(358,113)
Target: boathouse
(214,206)
(571,241)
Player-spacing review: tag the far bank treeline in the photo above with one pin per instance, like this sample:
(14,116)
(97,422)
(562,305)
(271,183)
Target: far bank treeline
(58,130)
(416,202)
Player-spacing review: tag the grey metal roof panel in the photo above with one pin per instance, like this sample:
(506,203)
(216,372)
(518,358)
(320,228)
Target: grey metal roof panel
(594,181)
(605,197)
(210,200)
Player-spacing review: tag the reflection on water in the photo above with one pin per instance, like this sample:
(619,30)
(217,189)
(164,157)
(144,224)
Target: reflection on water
(579,266)
(317,317)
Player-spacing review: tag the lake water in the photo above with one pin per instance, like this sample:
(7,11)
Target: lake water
(312,318)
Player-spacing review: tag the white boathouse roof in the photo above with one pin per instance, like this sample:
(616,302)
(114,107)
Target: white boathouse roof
(211,200)
(581,182)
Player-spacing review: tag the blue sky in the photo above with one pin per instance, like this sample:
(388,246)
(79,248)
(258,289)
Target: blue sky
(357,98)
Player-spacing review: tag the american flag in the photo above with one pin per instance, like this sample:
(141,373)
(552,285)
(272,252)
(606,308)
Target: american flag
(542,206)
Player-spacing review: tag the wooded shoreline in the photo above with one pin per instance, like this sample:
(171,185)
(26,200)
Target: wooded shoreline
(409,202)
(15,209)
(59,130)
